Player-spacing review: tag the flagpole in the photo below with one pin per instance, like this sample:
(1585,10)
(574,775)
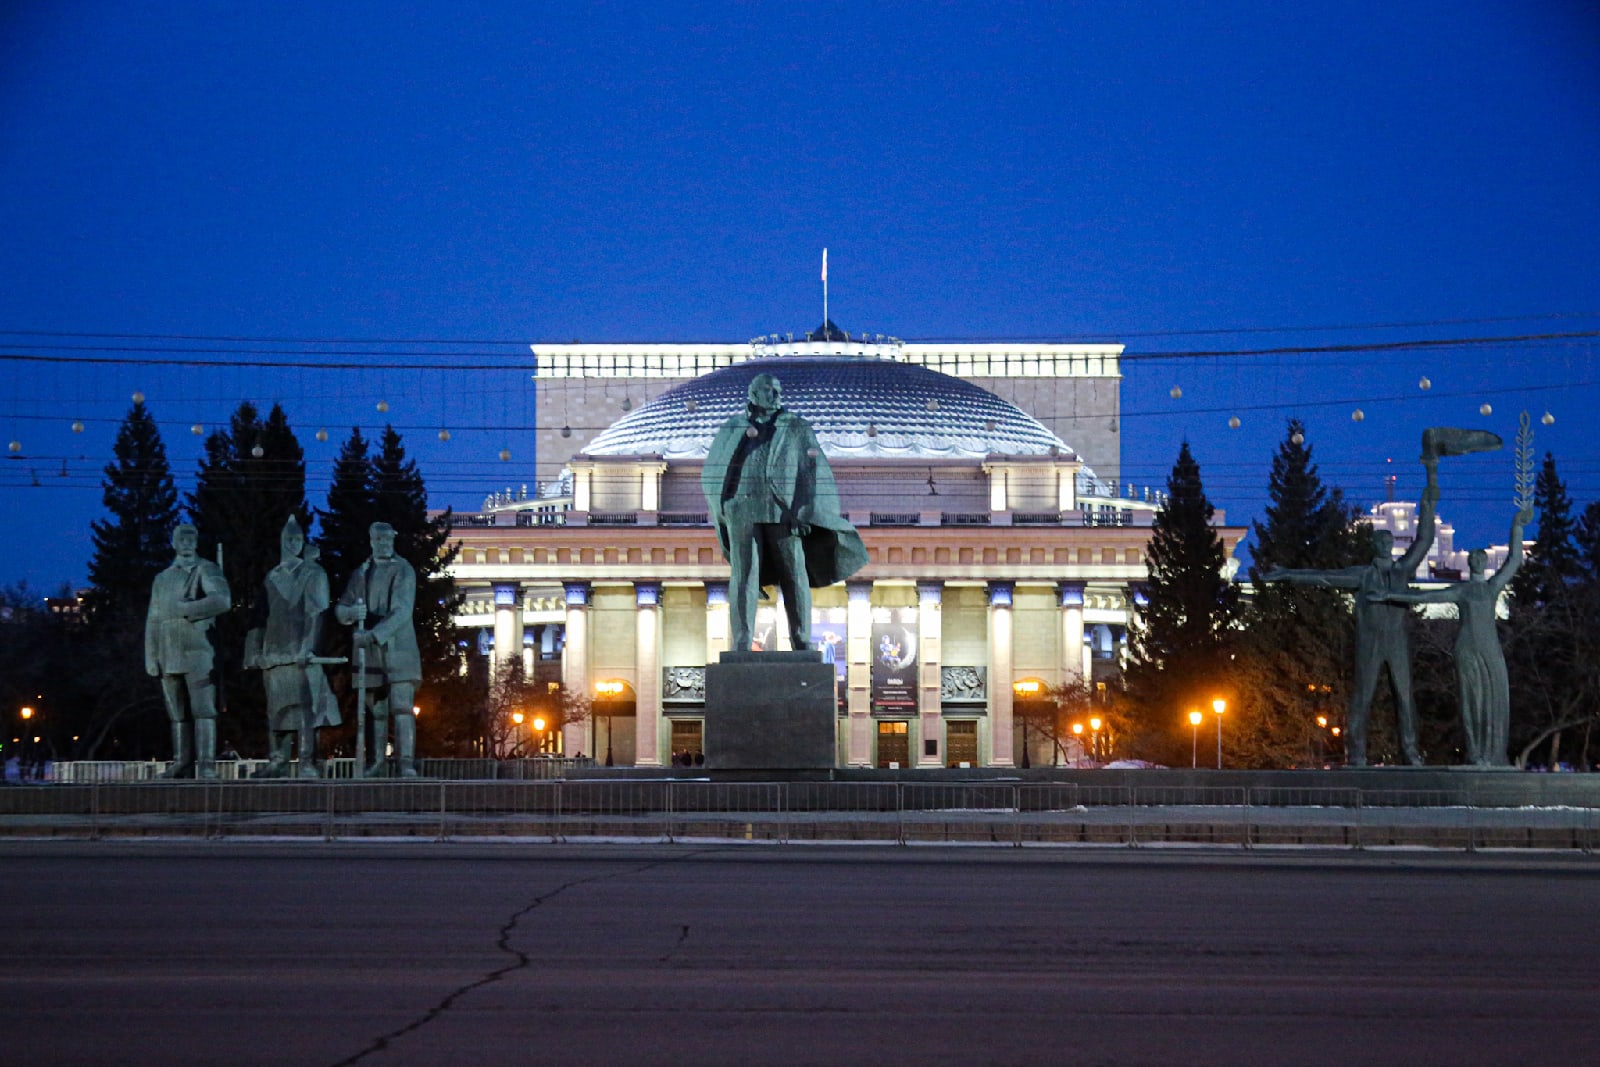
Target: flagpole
(825,294)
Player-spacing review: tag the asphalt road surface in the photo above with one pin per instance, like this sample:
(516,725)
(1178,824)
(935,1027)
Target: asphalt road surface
(207,953)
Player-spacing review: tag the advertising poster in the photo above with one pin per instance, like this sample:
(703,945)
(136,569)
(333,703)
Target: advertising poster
(894,660)
(828,635)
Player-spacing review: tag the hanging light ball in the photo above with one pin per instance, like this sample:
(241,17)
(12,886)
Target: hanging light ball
(566,431)
(138,398)
(77,426)
(989,425)
(872,429)
(444,435)
(1233,422)
(750,432)
(1297,438)
(627,405)
(383,405)
(1547,418)
(505,455)
(1175,393)
(1357,415)
(690,406)
(258,451)
(15,446)
(1424,383)
(1485,409)
(322,435)
(933,405)
(197,429)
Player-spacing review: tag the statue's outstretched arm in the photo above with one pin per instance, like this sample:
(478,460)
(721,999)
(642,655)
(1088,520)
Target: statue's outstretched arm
(1413,557)
(1348,578)
(1513,563)
(1431,596)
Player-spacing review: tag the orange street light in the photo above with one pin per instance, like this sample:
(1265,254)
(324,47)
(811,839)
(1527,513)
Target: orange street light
(27,713)
(1194,748)
(516,717)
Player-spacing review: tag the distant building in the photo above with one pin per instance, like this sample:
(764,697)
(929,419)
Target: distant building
(1003,561)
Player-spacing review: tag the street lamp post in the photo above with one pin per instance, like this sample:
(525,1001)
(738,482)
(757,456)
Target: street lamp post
(1219,706)
(1194,753)
(25,751)
(1077,732)
(1094,728)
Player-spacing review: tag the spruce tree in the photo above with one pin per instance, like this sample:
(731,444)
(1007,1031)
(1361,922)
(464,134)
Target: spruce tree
(352,508)
(1298,638)
(1552,561)
(1589,541)
(250,480)
(1180,651)
(134,544)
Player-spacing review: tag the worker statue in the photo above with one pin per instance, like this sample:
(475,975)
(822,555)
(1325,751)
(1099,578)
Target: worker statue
(775,507)
(184,600)
(294,600)
(1381,635)
(378,601)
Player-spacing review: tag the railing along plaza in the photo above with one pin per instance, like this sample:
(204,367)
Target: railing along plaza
(517,803)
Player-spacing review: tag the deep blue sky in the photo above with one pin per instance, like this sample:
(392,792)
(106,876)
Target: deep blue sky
(494,174)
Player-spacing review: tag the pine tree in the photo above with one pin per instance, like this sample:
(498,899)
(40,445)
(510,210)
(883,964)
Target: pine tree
(1297,640)
(135,543)
(1552,561)
(1588,539)
(251,479)
(1187,627)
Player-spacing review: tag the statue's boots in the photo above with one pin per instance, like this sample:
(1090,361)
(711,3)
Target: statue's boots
(278,765)
(405,736)
(308,753)
(205,748)
(380,755)
(182,765)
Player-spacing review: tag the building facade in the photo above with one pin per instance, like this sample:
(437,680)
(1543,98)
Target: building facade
(1001,564)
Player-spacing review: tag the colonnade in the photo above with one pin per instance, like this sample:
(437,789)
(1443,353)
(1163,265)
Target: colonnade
(858,727)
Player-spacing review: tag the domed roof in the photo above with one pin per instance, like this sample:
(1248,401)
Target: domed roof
(859,407)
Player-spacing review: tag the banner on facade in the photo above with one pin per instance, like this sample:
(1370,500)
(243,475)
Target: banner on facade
(894,660)
(828,634)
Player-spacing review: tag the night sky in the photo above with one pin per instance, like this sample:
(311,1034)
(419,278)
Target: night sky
(1253,197)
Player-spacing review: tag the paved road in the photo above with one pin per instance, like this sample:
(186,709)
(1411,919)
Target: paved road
(202,953)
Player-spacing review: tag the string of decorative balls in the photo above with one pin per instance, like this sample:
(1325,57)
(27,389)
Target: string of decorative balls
(1424,383)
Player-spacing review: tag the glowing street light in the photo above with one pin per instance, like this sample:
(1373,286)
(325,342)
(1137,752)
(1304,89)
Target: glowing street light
(1194,724)
(1219,706)
(1094,727)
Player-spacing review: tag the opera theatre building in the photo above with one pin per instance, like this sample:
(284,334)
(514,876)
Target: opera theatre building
(1004,556)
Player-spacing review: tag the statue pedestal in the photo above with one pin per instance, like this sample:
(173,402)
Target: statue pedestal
(770,711)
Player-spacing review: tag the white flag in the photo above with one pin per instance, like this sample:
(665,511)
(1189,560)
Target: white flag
(824,264)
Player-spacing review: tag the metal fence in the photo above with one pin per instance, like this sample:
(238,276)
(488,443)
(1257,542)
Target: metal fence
(1017,814)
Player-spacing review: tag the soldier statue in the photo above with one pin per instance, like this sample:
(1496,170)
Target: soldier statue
(184,600)
(294,600)
(378,601)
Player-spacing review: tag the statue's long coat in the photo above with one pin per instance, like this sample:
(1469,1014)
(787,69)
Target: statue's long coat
(804,488)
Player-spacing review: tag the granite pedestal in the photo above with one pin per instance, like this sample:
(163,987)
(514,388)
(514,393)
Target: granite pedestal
(770,711)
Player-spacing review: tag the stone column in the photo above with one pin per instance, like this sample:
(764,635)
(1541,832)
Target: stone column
(930,627)
(1000,649)
(575,665)
(718,633)
(507,626)
(858,677)
(647,674)
(1074,660)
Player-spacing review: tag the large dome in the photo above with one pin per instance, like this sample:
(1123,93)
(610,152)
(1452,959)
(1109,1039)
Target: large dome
(859,407)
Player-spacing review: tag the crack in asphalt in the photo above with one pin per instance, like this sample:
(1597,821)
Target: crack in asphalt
(683,935)
(520,959)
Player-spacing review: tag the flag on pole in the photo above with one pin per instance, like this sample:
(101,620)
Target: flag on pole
(824,264)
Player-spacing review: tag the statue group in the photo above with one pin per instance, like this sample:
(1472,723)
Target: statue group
(283,643)
(1383,594)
